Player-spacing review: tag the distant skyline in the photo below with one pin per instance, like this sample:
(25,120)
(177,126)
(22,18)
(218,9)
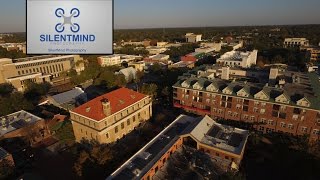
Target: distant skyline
(134,14)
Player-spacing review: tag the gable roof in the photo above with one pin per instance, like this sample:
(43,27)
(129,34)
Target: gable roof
(68,96)
(119,99)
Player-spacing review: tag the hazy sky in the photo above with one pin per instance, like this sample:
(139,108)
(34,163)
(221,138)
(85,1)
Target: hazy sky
(187,13)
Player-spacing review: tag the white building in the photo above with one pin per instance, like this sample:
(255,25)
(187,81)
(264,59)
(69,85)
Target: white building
(116,59)
(238,59)
(216,46)
(110,60)
(193,38)
(295,42)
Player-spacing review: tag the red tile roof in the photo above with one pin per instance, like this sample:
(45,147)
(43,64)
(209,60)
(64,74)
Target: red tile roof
(119,99)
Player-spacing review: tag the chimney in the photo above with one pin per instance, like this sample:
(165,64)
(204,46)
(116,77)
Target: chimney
(106,107)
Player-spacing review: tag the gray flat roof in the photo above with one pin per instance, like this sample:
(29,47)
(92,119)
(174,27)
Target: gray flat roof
(16,121)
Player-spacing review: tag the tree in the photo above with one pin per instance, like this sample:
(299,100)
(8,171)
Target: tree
(150,89)
(139,76)
(120,80)
(14,102)
(6,169)
(277,59)
(6,89)
(225,49)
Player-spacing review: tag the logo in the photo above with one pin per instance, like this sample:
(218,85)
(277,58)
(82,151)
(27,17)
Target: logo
(67,20)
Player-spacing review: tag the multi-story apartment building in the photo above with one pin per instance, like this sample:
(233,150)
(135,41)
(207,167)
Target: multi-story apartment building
(295,42)
(238,59)
(109,117)
(289,103)
(37,69)
(314,52)
(224,144)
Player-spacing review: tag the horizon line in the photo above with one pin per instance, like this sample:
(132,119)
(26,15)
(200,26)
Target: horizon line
(195,27)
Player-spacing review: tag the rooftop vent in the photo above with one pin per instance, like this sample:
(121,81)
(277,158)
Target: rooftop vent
(88,109)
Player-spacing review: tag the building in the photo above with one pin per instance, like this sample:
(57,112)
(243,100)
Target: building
(23,124)
(14,46)
(159,58)
(232,73)
(129,73)
(216,46)
(289,103)
(238,59)
(183,64)
(162,44)
(69,99)
(111,116)
(194,57)
(193,38)
(224,144)
(4,155)
(110,60)
(138,66)
(295,42)
(153,50)
(314,52)
(37,69)
(205,50)
(116,59)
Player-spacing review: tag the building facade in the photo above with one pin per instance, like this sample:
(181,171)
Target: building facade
(295,42)
(37,69)
(111,116)
(290,106)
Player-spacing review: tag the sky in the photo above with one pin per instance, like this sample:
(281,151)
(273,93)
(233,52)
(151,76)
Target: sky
(187,13)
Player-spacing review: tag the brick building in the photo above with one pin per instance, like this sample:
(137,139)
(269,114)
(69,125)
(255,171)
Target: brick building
(224,144)
(24,124)
(289,103)
(111,116)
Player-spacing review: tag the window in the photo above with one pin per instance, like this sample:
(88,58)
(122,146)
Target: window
(107,135)
(116,129)
(290,126)
(238,106)
(133,119)
(122,125)
(295,117)
(262,120)
(252,118)
(128,122)
(263,104)
(270,122)
(255,109)
(304,129)
(262,111)
(282,124)
(256,103)
(316,131)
